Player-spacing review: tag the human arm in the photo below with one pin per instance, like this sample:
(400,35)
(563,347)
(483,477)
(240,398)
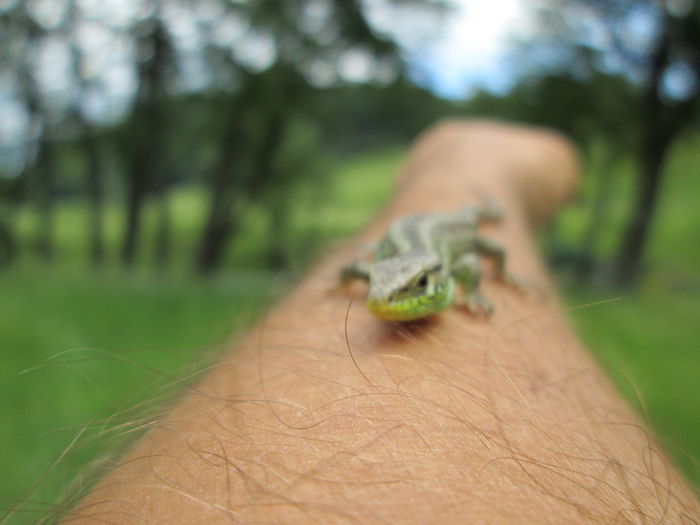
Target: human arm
(324,414)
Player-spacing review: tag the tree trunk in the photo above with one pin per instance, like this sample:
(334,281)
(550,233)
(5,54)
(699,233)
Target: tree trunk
(46,197)
(657,136)
(219,224)
(278,250)
(163,237)
(136,195)
(8,245)
(88,141)
(148,159)
(637,233)
(268,151)
(93,184)
(11,194)
(586,260)
(217,233)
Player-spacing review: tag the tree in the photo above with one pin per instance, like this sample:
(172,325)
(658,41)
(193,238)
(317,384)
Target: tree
(22,38)
(603,34)
(146,143)
(255,89)
(273,97)
(225,183)
(11,194)
(88,141)
(663,117)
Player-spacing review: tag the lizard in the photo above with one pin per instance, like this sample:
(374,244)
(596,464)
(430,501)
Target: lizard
(426,262)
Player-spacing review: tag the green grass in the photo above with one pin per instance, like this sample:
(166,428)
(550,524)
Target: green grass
(94,345)
(82,351)
(79,349)
(649,341)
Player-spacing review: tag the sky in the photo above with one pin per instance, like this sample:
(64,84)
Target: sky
(452,54)
(464,50)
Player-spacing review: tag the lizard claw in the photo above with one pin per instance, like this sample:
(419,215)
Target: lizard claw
(475,303)
(520,284)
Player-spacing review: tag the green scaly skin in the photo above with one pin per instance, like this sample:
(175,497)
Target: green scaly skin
(419,263)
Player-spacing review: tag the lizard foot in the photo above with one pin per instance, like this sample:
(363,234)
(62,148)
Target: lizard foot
(520,284)
(476,303)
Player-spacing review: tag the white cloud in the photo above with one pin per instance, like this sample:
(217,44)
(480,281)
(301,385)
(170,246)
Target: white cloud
(474,45)
(355,66)
(464,48)
(256,50)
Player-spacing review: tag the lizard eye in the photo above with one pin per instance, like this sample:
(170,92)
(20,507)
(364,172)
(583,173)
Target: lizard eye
(423,281)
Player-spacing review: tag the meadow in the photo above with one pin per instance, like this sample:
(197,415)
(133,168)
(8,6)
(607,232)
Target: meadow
(649,340)
(89,356)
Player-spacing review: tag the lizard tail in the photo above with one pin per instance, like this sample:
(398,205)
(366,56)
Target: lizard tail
(490,211)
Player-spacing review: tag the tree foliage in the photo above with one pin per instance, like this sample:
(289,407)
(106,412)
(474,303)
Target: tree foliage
(655,47)
(162,92)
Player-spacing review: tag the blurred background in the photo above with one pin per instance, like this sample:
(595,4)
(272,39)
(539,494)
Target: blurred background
(167,167)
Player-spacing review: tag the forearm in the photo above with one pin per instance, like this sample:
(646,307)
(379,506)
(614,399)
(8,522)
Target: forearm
(326,414)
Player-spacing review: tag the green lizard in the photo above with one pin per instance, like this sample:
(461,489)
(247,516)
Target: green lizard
(420,260)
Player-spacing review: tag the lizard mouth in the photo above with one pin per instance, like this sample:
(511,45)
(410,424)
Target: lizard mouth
(406,310)
(411,308)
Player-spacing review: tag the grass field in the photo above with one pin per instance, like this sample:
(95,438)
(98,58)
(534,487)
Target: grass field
(649,340)
(85,353)
(82,351)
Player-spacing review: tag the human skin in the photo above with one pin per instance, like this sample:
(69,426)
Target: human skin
(324,413)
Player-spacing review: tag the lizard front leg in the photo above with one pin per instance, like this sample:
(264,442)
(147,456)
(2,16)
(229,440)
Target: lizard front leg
(491,249)
(354,271)
(467,272)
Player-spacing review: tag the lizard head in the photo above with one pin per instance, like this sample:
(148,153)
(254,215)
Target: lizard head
(407,287)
